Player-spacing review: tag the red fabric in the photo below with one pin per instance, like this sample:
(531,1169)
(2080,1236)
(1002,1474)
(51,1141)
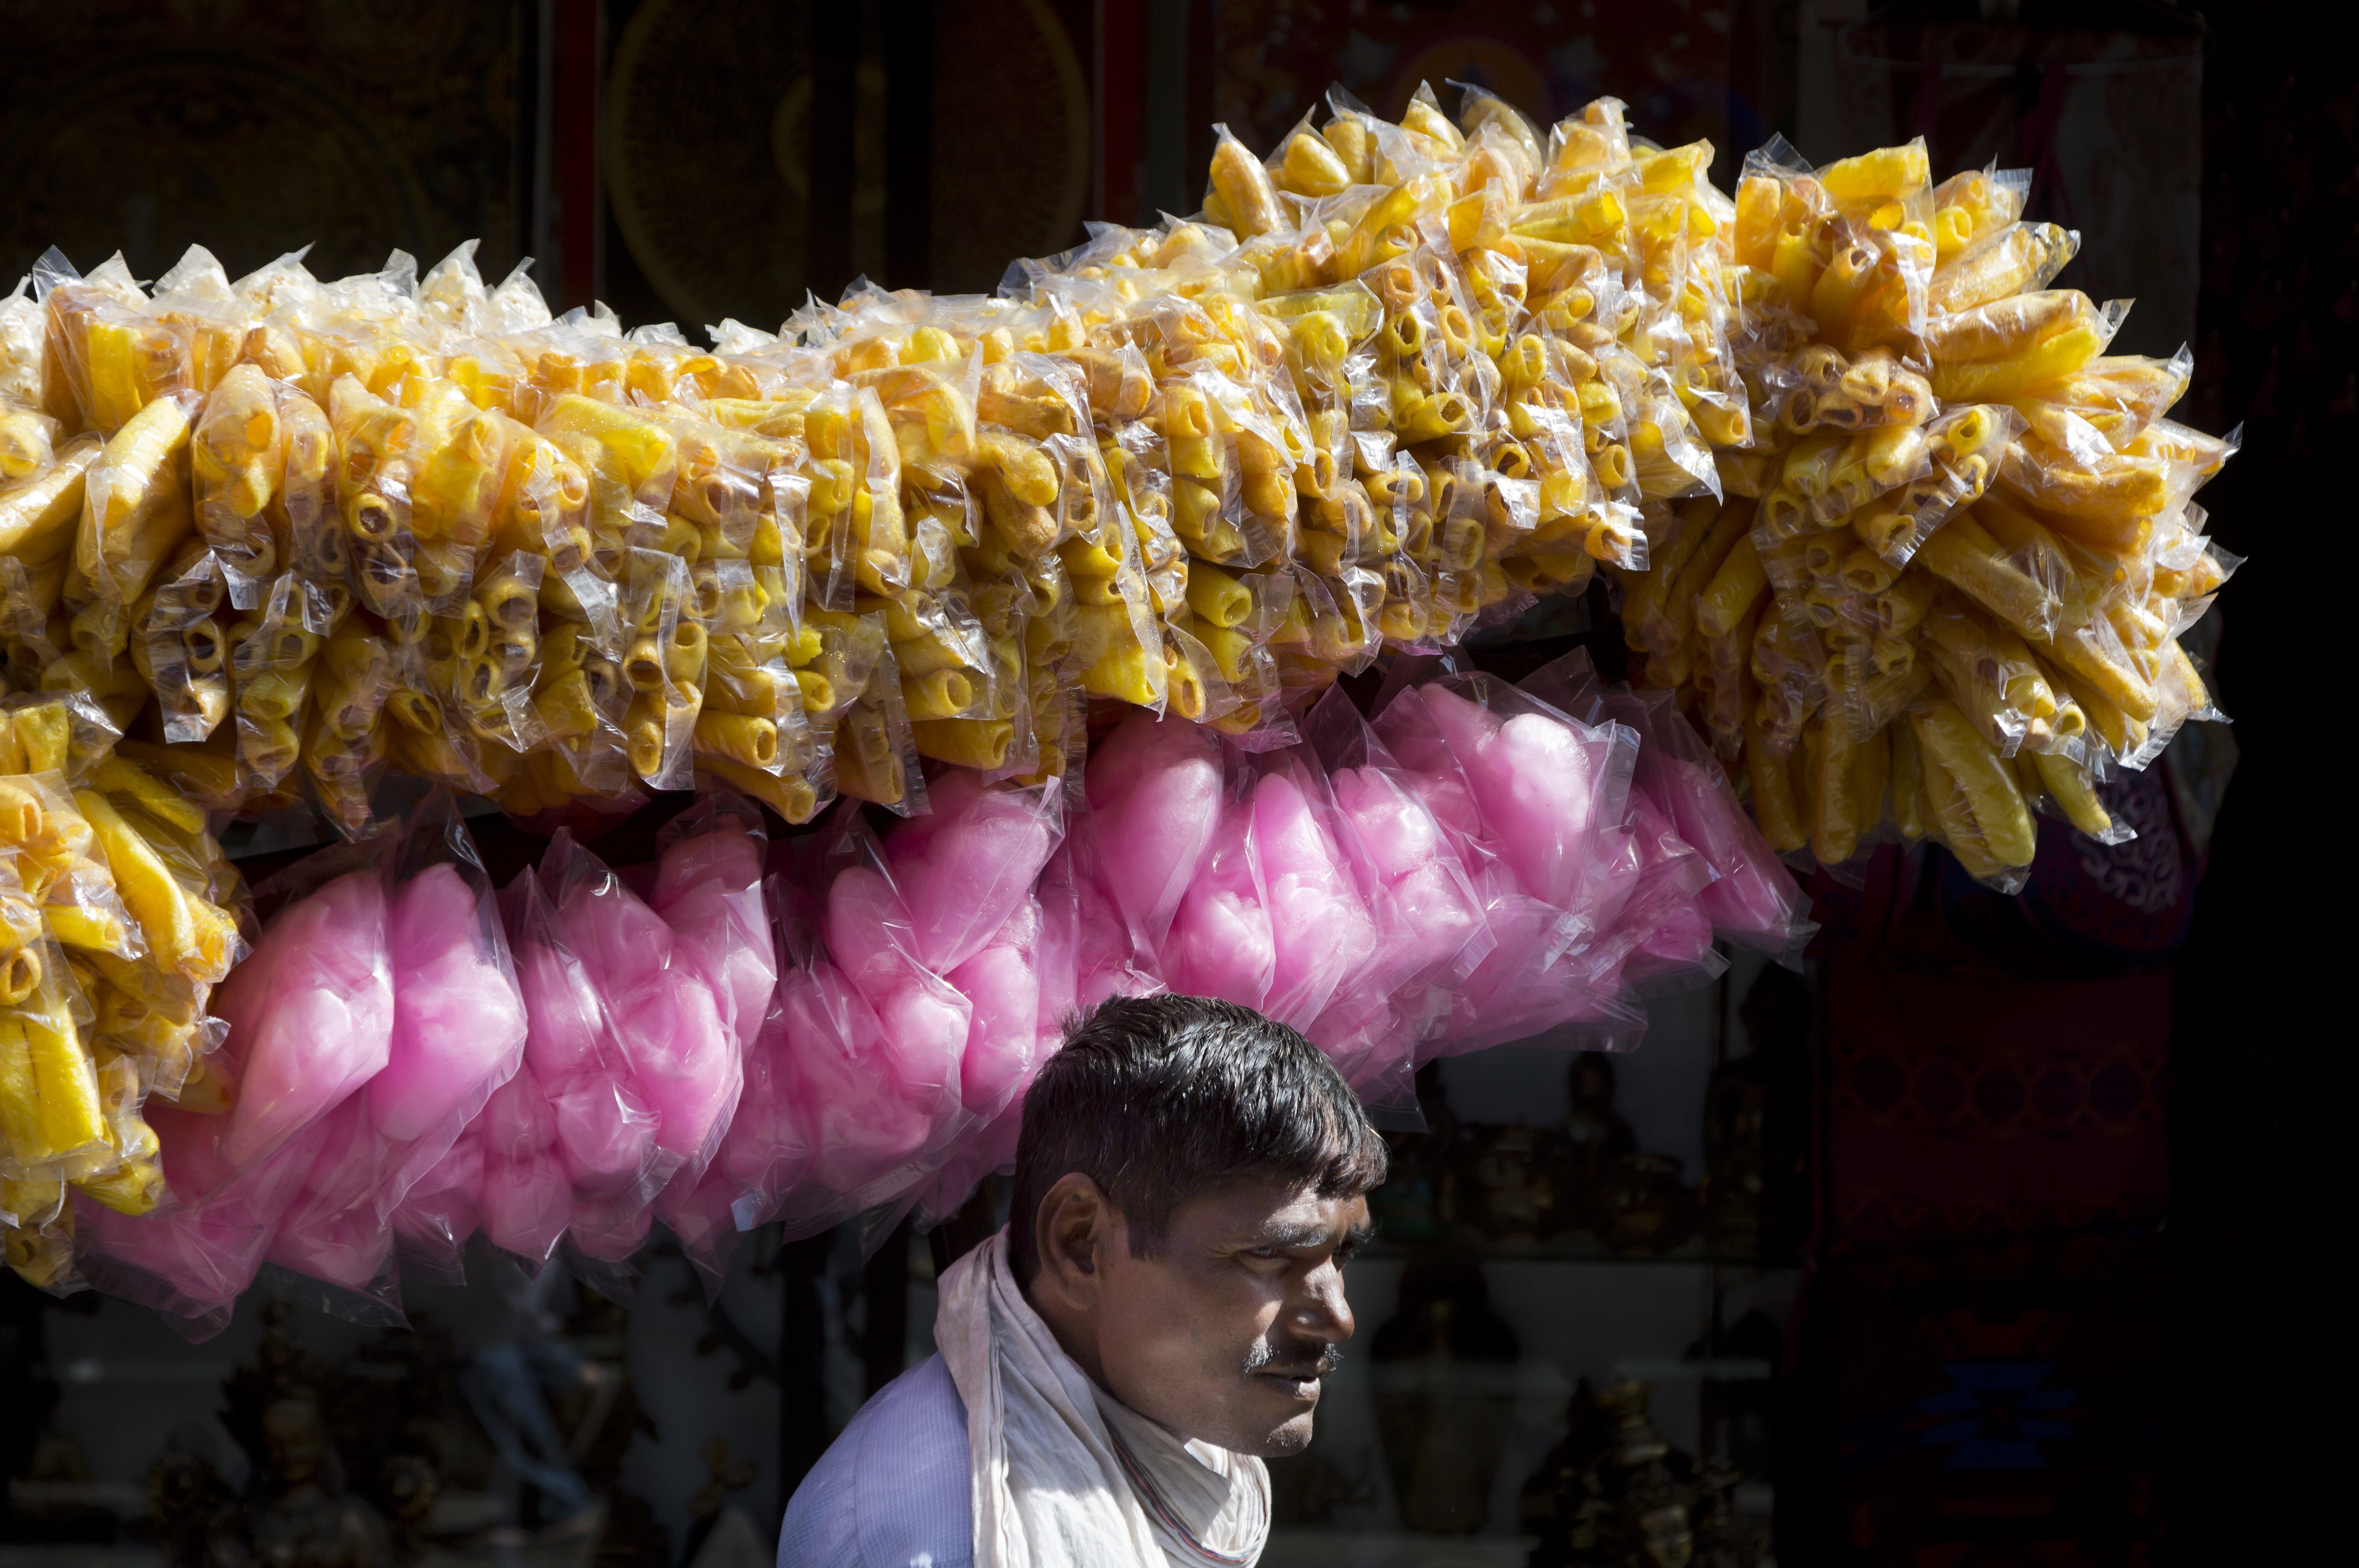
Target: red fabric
(1960,1101)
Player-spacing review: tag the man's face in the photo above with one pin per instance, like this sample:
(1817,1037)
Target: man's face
(1225,1331)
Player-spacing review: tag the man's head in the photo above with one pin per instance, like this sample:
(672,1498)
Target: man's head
(1189,1179)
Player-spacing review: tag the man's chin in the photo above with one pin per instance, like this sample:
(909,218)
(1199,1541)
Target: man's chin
(1286,1440)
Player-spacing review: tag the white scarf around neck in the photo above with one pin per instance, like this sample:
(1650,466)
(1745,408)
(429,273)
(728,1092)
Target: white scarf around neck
(1066,1475)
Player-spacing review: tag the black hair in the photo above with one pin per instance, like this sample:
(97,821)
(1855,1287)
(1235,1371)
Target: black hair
(1159,1100)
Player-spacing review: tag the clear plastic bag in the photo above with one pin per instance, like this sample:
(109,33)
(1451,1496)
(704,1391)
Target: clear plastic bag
(659,1002)
(135,505)
(1429,919)
(876,1043)
(1219,943)
(311,1017)
(1753,901)
(310,1013)
(459,1015)
(584,1095)
(1153,789)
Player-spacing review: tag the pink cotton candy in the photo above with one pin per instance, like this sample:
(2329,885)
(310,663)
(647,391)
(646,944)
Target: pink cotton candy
(311,1014)
(769,1147)
(1614,870)
(865,1117)
(1536,784)
(924,1026)
(964,867)
(687,1064)
(1754,900)
(1155,802)
(527,1204)
(1221,944)
(1362,1032)
(1000,984)
(865,924)
(439,1212)
(517,1120)
(605,1134)
(1683,940)
(1396,831)
(1320,930)
(601,1130)
(921,1019)
(1430,766)
(565,1024)
(1486,1007)
(1666,932)
(1056,959)
(709,891)
(1104,960)
(1430,922)
(701,1220)
(459,1025)
(526,1196)
(664,1017)
(332,1230)
(195,1259)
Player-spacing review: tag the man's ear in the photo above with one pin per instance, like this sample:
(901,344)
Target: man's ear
(1075,1228)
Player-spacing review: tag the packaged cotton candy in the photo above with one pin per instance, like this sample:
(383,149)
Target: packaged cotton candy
(663,1014)
(1430,927)
(709,890)
(329,1235)
(577,1109)
(769,1147)
(1155,792)
(458,1035)
(458,1019)
(1219,943)
(967,864)
(1536,801)
(193,1257)
(1753,899)
(439,1212)
(863,1098)
(1545,786)
(921,1020)
(311,1014)
(525,1194)
(1001,982)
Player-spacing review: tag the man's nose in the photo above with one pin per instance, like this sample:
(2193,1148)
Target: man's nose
(1322,1313)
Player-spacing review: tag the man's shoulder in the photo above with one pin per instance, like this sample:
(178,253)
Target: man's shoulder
(895,1490)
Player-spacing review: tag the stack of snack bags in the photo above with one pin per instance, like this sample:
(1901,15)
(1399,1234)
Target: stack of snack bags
(1509,880)
(375,1017)
(1393,380)
(1900,544)
(121,916)
(1959,549)
(847,1025)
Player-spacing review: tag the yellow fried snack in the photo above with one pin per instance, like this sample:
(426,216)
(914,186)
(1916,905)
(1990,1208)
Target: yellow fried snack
(1966,509)
(1835,440)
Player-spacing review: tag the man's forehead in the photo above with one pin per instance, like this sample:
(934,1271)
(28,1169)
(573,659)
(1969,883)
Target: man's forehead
(1272,1211)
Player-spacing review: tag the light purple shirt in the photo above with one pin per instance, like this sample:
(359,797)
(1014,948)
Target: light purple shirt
(896,1490)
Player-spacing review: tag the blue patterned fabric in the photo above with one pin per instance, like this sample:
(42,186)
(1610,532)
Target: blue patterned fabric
(896,1490)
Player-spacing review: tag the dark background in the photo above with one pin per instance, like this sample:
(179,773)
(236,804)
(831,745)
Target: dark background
(692,159)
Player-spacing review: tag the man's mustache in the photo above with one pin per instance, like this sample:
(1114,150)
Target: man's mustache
(1302,1359)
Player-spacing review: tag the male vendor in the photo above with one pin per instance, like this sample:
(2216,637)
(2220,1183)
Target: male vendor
(1152,1323)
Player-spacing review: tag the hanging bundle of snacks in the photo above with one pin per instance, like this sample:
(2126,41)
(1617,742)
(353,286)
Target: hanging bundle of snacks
(1866,483)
